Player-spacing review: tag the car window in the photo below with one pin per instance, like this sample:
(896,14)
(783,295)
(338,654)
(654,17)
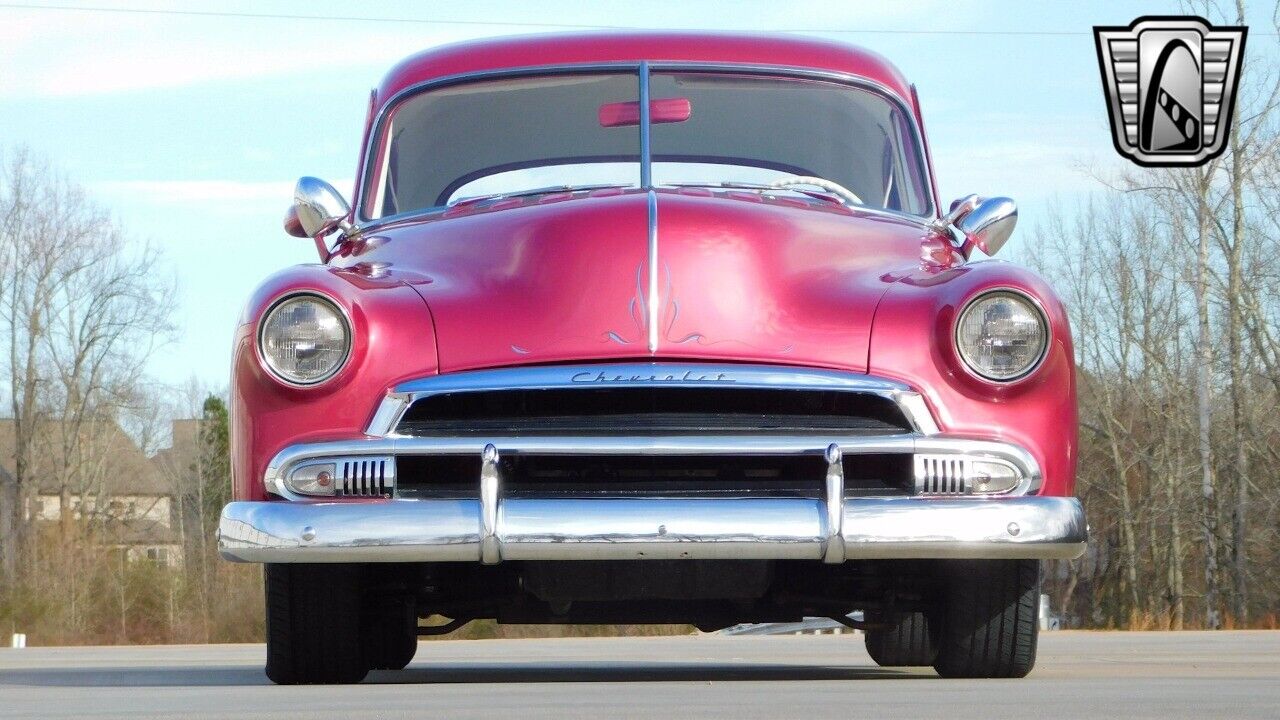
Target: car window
(513,135)
(445,139)
(792,126)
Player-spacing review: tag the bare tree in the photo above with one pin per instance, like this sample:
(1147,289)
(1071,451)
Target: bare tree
(81,312)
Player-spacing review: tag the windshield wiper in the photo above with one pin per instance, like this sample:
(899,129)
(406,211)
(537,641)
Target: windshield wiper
(537,191)
(762,188)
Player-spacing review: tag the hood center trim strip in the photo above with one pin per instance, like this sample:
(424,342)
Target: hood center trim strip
(653,272)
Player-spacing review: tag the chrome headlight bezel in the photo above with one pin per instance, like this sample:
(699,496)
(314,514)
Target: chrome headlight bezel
(277,305)
(1019,296)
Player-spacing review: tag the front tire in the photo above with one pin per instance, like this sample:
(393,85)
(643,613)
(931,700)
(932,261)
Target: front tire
(989,622)
(391,633)
(313,624)
(905,640)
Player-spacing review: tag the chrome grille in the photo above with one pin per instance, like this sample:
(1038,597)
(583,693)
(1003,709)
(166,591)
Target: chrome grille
(366,477)
(647,410)
(942,475)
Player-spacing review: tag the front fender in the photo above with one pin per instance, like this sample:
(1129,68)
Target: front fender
(393,339)
(912,340)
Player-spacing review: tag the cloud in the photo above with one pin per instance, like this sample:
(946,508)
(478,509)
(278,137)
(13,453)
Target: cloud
(69,54)
(61,53)
(1022,169)
(1008,154)
(208,192)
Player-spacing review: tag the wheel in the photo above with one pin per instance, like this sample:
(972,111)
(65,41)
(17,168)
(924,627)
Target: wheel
(313,624)
(989,624)
(906,639)
(390,633)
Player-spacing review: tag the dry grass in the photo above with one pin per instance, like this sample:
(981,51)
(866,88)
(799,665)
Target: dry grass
(80,593)
(86,595)
(93,596)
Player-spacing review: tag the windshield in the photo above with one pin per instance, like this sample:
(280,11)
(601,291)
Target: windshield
(548,133)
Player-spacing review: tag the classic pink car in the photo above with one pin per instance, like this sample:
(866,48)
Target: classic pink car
(651,328)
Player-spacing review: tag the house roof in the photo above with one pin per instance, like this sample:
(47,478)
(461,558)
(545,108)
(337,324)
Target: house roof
(112,462)
(176,461)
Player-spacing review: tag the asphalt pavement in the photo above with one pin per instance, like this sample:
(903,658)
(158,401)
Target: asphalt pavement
(1078,674)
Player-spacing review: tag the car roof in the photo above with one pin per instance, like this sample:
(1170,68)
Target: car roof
(606,47)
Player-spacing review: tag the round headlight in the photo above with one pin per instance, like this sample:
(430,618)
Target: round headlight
(304,340)
(1001,336)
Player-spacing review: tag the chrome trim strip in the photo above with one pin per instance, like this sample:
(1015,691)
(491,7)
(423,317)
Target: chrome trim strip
(754,444)
(646,182)
(913,406)
(656,374)
(654,305)
(646,158)
(834,499)
(387,416)
(367,155)
(651,528)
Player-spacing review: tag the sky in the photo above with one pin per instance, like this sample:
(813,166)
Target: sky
(192,128)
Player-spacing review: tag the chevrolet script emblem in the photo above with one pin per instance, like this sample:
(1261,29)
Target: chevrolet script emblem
(1171,87)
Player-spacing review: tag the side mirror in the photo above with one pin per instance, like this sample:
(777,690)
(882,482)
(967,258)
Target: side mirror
(291,224)
(985,223)
(318,208)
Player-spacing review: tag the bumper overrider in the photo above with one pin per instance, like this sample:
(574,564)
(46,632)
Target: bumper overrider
(489,527)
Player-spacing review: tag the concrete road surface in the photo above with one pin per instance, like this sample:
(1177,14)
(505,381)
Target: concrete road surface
(1088,675)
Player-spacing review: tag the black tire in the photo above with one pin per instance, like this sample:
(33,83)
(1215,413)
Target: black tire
(391,633)
(989,622)
(907,639)
(313,624)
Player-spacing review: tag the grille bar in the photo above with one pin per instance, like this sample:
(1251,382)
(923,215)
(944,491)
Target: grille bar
(542,476)
(928,477)
(366,477)
(942,475)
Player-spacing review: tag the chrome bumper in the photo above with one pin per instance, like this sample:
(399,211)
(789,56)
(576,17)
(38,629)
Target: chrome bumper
(491,527)
(652,528)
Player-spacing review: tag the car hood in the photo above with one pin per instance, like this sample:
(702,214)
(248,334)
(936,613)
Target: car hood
(569,277)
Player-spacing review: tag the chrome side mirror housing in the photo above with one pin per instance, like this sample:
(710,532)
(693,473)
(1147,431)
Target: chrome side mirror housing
(984,223)
(319,209)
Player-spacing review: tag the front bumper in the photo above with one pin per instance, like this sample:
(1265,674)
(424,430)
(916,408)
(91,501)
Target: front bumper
(492,526)
(465,530)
